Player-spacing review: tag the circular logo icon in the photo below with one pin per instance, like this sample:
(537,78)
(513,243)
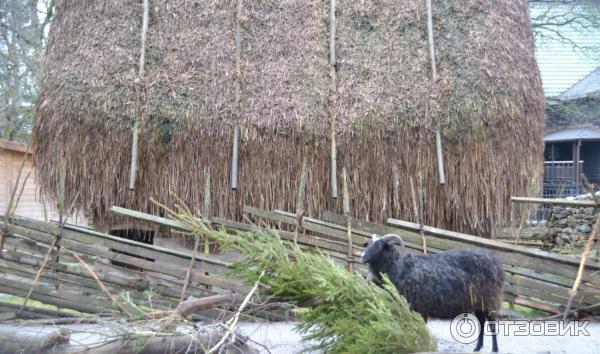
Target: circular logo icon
(465,328)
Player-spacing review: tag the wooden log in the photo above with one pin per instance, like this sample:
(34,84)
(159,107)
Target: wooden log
(30,312)
(32,342)
(66,301)
(156,344)
(150,218)
(523,301)
(555,201)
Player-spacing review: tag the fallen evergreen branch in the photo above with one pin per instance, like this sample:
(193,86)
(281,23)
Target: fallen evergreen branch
(349,314)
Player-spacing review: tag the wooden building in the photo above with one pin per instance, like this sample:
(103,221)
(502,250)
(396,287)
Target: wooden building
(30,204)
(570,152)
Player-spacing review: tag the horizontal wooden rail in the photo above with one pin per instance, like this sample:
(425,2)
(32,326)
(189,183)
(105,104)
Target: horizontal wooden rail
(491,244)
(551,201)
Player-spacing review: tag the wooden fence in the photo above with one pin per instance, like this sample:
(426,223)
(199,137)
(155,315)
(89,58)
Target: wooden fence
(153,276)
(533,278)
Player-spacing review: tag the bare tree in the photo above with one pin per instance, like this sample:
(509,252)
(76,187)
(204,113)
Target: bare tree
(23,28)
(557,20)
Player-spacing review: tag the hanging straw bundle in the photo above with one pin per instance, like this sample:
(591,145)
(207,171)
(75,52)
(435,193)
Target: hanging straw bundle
(487,103)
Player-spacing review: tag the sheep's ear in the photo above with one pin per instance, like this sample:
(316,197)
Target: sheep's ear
(374,237)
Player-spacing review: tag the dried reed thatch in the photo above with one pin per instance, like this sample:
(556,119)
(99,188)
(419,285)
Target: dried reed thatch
(487,102)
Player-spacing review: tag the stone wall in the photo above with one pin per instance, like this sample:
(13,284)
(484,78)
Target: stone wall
(570,227)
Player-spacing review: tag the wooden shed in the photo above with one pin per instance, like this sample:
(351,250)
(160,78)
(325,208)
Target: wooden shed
(30,204)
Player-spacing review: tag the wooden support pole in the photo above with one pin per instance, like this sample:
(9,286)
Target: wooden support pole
(134,154)
(333,177)
(421,208)
(207,203)
(301,196)
(61,207)
(142,64)
(238,95)
(434,79)
(333,108)
(141,70)
(577,153)
(234,158)
(434,75)
(440,156)
(346,211)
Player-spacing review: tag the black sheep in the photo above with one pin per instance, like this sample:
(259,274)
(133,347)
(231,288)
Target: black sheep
(441,285)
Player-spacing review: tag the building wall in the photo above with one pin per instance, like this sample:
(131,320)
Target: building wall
(30,204)
(590,154)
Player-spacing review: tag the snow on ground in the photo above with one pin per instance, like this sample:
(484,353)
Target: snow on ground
(280,338)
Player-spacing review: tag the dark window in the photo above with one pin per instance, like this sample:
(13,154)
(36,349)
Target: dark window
(562,151)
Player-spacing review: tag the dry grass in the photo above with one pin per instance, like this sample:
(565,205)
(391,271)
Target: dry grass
(488,103)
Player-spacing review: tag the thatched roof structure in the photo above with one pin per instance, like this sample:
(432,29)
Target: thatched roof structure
(488,103)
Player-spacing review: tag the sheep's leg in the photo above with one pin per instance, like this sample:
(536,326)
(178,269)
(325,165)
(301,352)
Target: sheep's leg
(481,318)
(492,323)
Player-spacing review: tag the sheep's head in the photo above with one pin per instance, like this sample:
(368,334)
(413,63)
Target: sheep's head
(380,248)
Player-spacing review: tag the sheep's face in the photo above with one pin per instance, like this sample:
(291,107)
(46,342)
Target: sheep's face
(378,249)
(374,251)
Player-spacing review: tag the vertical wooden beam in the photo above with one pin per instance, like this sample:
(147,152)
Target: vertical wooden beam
(421,212)
(136,126)
(396,191)
(434,78)
(553,173)
(346,211)
(234,158)
(440,157)
(238,95)
(301,196)
(576,169)
(142,64)
(61,207)
(134,154)
(430,40)
(333,74)
(207,203)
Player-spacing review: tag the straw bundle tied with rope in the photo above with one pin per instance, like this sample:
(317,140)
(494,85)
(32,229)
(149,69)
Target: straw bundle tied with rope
(382,108)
